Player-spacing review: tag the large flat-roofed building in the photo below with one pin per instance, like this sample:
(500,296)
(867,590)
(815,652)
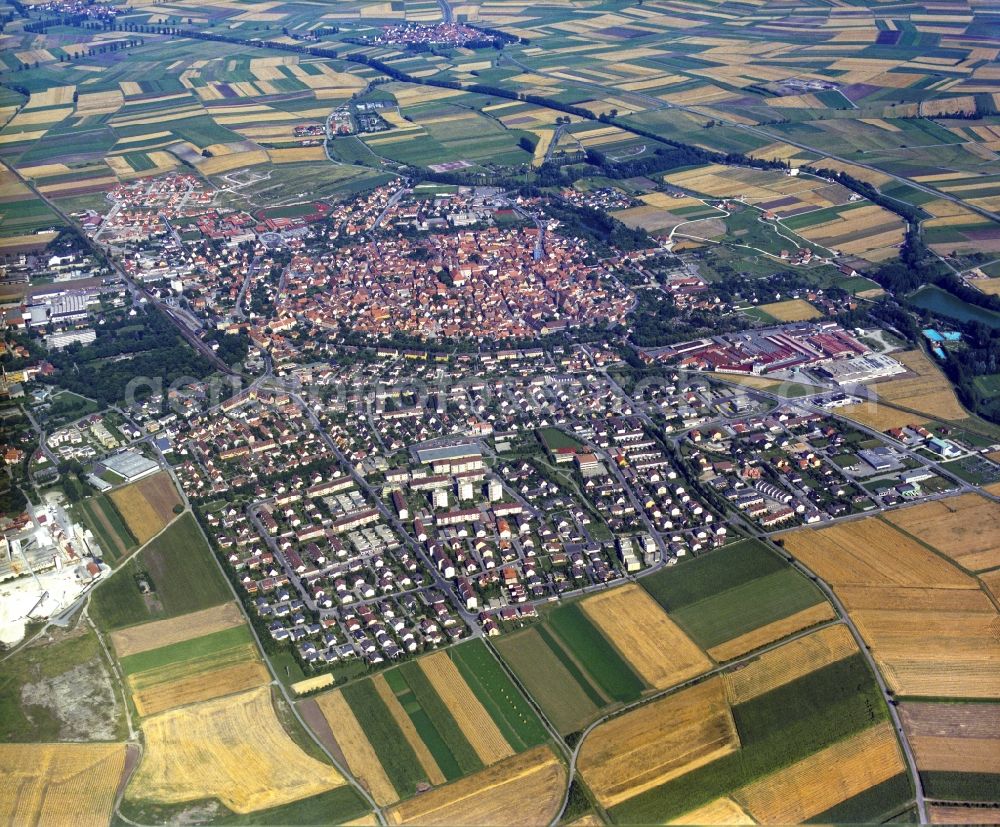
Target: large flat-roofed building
(861,368)
(129,465)
(452,459)
(449,453)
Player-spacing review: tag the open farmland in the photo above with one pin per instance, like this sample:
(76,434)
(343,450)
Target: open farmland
(930,627)
(233,749)
(448,714)
(954,737)
(100,514)
(820,782)
(198,669)
(965,528)
(777,729)
(523,790)
(737,598)
(929,392)
(585,643)
(147,506)
(658,741)
(653,645)
(720,811)
(179,570)
(160,633)
(470,715)
(44,783)
(789,662)
(557,684)
(881,416)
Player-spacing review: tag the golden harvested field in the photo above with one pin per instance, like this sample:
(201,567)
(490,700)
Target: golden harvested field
(203,686)
(793,310)
(645,636)
(789,662)
(59,783)
(929,392)
(233,749)
(312,684)
(297,154)
(870,552)
(771,632)
(424,756)
(823,780)
(358,751)
(659,741)
(235,160)
(952,654)
(941,814)
(159,633)
(954,737)
(991,580)
(914,599)
(147,505)
(720,811)
(470,715)
(524,790)
(965,528)
(882,417)
(931,629)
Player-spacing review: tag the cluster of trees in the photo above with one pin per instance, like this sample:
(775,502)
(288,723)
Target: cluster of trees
(127,347)
(600,230)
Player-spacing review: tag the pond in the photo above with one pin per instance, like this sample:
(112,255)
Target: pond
(951,307)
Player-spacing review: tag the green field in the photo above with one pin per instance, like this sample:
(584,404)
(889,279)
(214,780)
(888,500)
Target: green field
(776,729)
(876,804)
(512,713)
(554,439)
(179,567)
(105,522)
(435,724)
(568,704)
(334,807)
(731,591)
(595,653)
(707,575)
(394,752)
(199,647)
(746,607)
(961,786)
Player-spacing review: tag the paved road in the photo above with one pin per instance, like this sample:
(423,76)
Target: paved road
(447,15)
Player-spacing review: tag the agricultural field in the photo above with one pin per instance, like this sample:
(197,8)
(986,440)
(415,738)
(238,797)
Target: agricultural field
(954,738)
(202,666)
(429,722)
(810,207)
(171,576)
(647,747)
(522,790)
(927,622)
(652,644)
(147,505)
(965,528)
(771,751)
(110,529)
(232,749)
(737,598)
(928,392)
(45,782)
